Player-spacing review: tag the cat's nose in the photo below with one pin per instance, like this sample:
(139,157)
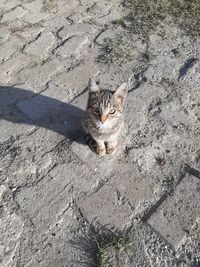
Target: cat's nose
(103,118)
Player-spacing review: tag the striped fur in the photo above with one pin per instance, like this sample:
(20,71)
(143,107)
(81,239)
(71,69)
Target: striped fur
(104,120)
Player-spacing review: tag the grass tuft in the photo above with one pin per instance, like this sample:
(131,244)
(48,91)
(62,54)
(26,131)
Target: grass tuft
(111,242)
(120,22)
(101,245)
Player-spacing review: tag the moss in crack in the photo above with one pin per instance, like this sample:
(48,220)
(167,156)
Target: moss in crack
(120,21)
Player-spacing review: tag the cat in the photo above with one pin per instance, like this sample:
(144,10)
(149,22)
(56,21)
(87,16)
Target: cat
(104,119)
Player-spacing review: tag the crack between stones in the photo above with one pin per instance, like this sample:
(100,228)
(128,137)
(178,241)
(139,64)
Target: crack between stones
(146,214)
(80,94)
(105,14)
(32,41)
(58,31)
(187,65)
(27,185)
(13,8)
(71,21)
(90,7)
(96,37)
(62,43)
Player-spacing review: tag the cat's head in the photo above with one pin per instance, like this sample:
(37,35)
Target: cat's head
(104,105)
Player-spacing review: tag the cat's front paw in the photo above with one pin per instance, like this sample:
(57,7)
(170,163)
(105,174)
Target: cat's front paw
(100,151)
(111,150)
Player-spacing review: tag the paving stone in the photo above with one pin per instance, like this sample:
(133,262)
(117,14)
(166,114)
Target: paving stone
(72,47)
(30,34)
(33,7)
(9,239)
(13,25)
(10,68)
(10,129)
(13,122)
(104,207)
(53,247)
(7,5)
(133,104)
(65,120)
(75,81)
(14,94)
(100,9)
(9,48)
(42,104)
(132,184)
(41,46)
(20,164)
(9,244)
(67,8)
(105,12)
(35,18)
(178,212)
(73,29)
(17,13)
(4,34)
(101,166)
(4,2)
(55,24)
(38,76)
(56,198)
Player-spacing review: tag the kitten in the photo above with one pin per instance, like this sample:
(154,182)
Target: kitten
(104,120)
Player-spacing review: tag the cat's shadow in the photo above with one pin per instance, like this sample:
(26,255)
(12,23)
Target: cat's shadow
(22,106)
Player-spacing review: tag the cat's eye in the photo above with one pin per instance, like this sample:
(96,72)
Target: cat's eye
(96,110)
(112,111)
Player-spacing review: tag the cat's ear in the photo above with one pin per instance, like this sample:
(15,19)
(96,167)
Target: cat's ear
(121,93)
(92,86)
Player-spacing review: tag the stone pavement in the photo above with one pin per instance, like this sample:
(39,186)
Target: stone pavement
(56,194)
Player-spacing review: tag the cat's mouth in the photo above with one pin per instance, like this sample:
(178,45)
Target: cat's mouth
(102,122)
(104,125)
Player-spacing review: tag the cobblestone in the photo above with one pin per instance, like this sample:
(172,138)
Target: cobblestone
(55,193)
(14,14)
(179,212)
(106,208)
(38,76)
(41,46)
(72,46)
(8,49)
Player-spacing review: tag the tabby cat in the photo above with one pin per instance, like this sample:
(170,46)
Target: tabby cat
(103,119)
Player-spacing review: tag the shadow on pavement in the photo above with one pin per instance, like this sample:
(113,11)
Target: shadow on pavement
(21,106)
